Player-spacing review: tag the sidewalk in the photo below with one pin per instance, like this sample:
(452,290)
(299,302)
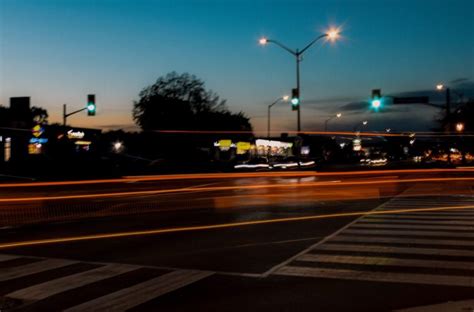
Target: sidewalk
(456,306)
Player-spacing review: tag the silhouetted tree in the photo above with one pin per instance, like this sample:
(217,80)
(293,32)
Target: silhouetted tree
(463,113)
(39,114)
(181,102)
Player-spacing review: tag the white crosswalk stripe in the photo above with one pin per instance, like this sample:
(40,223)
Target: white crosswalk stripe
(432,247)
(432,279)
(132,296)
(33,268)
(117,300)
(408,233)
(397,240)
(382,261)
(433,222)
(47,289)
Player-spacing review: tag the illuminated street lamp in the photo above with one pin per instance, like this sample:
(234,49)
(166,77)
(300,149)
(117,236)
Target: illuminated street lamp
(441,87)
(460,127)
(357,125)
(283,98)
(338,115)
(117,147)
(331,34)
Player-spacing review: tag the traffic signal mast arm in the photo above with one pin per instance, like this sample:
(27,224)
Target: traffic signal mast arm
(75,112)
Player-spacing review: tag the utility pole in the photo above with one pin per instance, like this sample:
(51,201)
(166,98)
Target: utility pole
(448,109)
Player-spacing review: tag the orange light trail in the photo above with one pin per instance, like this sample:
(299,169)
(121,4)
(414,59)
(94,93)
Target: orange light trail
(348,133)
(219,226)
(228,188)
(233,175)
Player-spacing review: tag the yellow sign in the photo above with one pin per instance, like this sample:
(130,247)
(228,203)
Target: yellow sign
(243,147)
(37,131)
(225,143)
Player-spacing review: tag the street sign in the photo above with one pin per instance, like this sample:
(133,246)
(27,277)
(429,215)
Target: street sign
(411,100)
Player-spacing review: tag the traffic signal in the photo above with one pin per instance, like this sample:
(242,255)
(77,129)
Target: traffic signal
(295,99)
(376,102)
(91,107)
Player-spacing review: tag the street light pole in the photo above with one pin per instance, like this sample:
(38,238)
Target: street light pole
(298,112)
(284,98)
(332,34)
(338,115)
(357,125)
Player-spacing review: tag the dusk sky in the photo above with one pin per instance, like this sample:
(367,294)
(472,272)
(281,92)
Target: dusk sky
(58,51)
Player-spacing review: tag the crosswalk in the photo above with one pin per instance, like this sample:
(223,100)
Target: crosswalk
(31,281)
(421,247)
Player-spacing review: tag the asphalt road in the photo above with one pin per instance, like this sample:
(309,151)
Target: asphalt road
(371,242)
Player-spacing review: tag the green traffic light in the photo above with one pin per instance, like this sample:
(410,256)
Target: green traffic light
(376,103)
(91,109)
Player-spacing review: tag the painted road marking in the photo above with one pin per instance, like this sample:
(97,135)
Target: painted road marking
(430,279)
(396,240)
(56,286)
(382,261)
(420,217)
(413,227)
(130,297)
(432,222)
(408,233)
(400,250)
(33,268)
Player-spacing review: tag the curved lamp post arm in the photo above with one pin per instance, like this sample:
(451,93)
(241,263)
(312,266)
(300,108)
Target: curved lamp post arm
(281,45)
(312,42)
(276,101)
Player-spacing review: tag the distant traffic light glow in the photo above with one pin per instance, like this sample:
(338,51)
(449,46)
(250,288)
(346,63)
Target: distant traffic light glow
(377,103)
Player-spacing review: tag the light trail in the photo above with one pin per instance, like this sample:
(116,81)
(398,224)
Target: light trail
(229,188)
(340,133)
(218,226)
(234,175)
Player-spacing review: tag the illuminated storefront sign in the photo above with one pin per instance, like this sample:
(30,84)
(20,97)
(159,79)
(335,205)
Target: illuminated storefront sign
(356,145)
(270,143)
(8,152)
(37,131)
(83,142)
(71,134)
(35,149)
(38,140)
(243,147)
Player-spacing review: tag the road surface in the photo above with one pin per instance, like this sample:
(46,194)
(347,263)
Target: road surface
(374,241)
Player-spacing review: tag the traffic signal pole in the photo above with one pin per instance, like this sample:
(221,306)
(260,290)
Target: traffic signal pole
(91,107)
(66,115)
(298,113)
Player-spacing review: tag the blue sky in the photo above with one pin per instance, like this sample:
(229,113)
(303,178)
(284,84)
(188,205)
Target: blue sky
(57,51)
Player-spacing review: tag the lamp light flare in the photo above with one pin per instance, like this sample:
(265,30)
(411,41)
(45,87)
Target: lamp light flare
(286,97)
(338,115)
(439,86)
(263,41)
(459,127)
(333,33)
(365,122)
